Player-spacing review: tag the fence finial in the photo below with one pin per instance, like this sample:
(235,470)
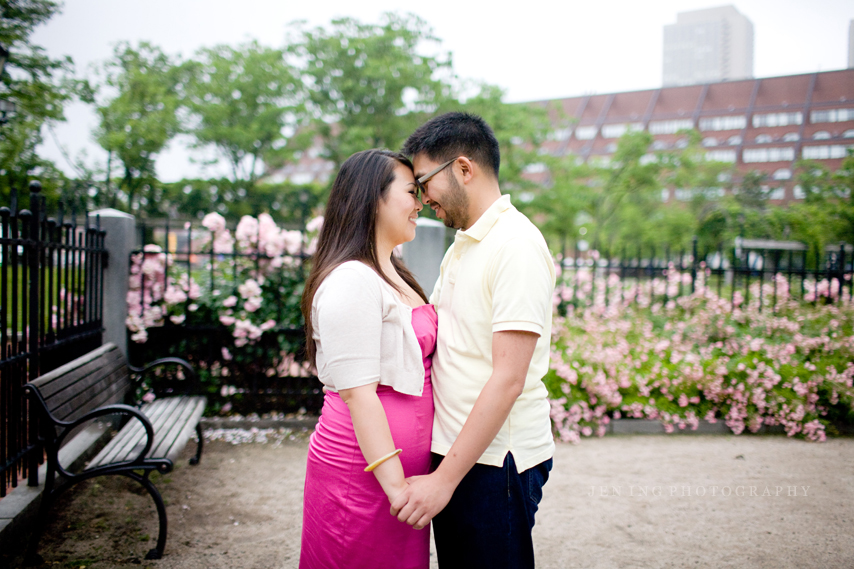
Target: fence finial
(35,187)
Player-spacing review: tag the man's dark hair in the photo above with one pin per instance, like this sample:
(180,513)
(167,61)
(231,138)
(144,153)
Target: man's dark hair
(456,134)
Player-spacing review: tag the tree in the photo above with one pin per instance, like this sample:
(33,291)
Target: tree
(140,115)
(369,85)
(39,87)
(245,102)
(558,208)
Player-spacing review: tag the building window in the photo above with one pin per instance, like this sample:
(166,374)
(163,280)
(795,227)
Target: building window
(764,139)
(825,152)
(778,119)
(585,133)
(848,133)
(618,130)
(821,135)
(723,123)
(611,147)
(768,154)
(791,137)
(734,140)
(783,174)
(670,127)
(659,145)
(710,141)
(832,115)
(682,143)
(665,195)
(535,168)
(560,134)
(683,195)
(647,159)
(720,156)
(777,194)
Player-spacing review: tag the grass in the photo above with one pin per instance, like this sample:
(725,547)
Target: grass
(6,274)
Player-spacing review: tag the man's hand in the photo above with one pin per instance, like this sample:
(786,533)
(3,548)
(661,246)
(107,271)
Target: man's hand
(425,497)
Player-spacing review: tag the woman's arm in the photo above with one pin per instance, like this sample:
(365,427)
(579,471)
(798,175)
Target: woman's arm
(374,436)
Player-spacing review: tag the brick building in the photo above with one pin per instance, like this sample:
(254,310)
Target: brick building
(765,124)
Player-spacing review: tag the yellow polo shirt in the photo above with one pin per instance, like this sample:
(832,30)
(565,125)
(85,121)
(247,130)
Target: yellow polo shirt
(497,276)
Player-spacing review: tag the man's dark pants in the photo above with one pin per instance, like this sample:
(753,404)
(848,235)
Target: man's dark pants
(489,519)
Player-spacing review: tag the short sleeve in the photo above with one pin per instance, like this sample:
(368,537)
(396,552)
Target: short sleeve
(522,284)
(348,322)
(437,288)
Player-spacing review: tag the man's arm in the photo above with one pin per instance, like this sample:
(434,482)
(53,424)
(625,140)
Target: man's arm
(426,496)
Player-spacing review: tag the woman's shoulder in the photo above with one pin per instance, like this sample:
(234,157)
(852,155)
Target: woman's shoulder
(353,271)
(349,278)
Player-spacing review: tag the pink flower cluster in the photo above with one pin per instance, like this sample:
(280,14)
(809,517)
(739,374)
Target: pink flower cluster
(152,296)
(248,262)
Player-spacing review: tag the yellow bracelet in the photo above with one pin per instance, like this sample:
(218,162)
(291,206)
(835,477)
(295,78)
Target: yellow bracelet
(381,460)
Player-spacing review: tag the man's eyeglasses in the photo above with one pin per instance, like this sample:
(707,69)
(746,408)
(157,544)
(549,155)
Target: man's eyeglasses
(426,177)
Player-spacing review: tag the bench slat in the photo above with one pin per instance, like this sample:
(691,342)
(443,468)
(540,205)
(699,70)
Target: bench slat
(174,420)
(65,376)
(181,421)
(130,440)
(109,389)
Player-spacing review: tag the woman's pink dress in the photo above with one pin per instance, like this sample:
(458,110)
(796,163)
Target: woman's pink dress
(346,520)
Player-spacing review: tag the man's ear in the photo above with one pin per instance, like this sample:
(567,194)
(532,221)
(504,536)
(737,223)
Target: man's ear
(467,168)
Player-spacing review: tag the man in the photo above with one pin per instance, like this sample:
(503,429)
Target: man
(492,439)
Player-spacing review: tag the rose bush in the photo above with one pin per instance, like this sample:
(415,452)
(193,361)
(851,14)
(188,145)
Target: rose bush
(690,358)
(245,286)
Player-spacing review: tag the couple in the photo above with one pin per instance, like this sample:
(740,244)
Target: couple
(478,348)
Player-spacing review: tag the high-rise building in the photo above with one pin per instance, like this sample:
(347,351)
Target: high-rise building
(851,44)
(706,46)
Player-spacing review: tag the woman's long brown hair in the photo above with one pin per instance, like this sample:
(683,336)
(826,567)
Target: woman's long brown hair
(349,226)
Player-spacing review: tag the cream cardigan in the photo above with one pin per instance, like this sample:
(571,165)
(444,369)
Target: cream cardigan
(364,333)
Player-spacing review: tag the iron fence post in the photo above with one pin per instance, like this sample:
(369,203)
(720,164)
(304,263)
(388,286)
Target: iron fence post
(33,278)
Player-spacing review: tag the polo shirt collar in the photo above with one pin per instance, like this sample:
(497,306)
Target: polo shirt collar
(482,226)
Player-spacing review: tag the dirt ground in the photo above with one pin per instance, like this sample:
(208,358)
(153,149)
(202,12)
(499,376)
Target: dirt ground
(644,501)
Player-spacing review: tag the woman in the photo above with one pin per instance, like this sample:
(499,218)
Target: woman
(371,334)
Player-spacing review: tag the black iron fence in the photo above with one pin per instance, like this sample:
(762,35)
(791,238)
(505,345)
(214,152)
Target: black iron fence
(226,299)
(761,273)
(51,286)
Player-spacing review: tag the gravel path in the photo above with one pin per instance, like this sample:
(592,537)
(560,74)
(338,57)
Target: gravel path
(644,501)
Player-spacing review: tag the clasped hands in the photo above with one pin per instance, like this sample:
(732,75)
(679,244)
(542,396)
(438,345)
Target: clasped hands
(423,498)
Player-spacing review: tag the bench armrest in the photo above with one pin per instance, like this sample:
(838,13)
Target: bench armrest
(52,442)
(117,409)
(191,383)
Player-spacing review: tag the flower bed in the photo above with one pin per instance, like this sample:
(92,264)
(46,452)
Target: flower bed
(694,358)
(231,308)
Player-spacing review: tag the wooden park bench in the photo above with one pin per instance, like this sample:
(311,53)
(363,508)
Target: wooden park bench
(95,387)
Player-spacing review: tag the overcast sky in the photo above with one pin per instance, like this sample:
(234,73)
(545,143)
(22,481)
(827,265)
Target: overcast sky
(534,49)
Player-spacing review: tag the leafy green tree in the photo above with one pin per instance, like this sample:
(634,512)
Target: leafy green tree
(559,208)
(752,193)
(622,195)
(285,202)
(139,115)
(39,86)
(369,85)
(687,170)
(245,102)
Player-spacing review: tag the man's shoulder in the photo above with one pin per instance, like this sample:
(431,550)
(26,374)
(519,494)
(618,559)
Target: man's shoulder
(514,225)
